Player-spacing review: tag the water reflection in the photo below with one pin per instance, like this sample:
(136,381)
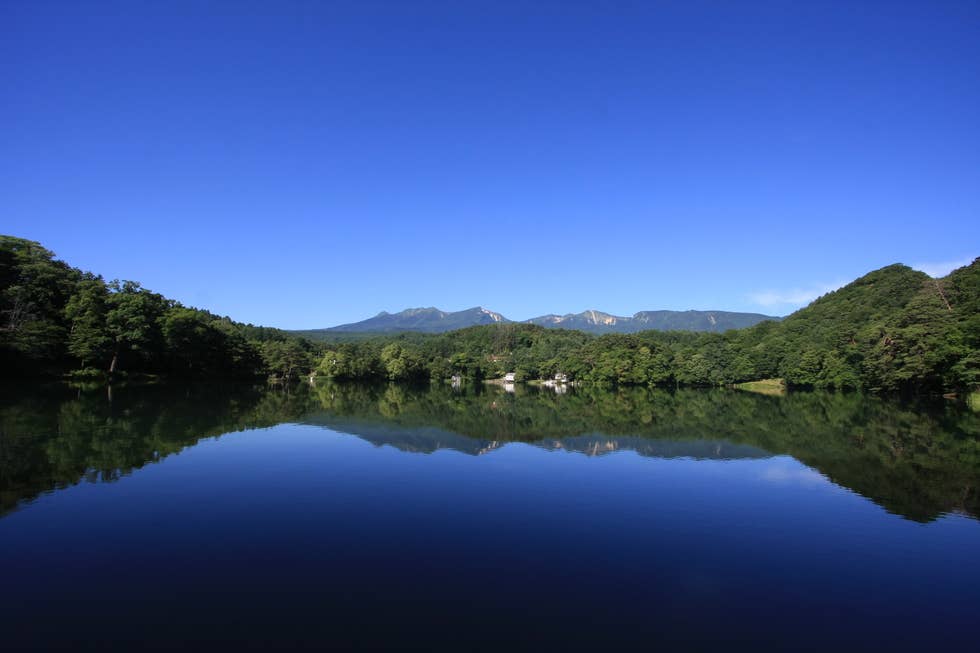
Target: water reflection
(916,460)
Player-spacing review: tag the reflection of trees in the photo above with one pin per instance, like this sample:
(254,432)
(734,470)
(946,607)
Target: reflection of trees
(54,441)
(915,460)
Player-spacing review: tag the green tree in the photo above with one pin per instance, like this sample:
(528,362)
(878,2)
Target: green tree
(34,289)
(286,359)
(88,335)
(402,362)
(133,322)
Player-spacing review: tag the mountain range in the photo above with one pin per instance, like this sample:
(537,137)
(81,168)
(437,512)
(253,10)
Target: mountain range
(598,322)
(433,320)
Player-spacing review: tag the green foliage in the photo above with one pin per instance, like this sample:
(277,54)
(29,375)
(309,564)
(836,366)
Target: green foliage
(894,329)
(132,322)
(286,359)
(204,347)
(402,362)
(56,319)
(88,338)
(34,289)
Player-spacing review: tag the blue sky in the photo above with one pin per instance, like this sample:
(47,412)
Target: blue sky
(304,164)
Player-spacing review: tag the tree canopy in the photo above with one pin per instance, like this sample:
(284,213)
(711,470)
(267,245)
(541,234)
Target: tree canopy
(894,329)
(56,319)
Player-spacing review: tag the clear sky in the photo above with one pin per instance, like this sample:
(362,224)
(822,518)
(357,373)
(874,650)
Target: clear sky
(304,164)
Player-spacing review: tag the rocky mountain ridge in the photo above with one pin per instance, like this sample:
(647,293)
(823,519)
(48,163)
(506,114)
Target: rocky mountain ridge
(434,320)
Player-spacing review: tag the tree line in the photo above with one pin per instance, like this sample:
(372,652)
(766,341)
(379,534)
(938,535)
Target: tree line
(895,329)
(56,319)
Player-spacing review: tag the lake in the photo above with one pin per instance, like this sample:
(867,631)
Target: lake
(413,518)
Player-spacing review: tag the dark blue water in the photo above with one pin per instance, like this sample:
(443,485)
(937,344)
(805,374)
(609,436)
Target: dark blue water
(303,536)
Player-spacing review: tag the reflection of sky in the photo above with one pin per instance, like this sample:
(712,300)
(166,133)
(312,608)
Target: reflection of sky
(301,513)
(784,470)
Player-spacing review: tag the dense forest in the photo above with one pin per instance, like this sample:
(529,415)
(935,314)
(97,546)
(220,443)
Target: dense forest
(895,329)
(56,319)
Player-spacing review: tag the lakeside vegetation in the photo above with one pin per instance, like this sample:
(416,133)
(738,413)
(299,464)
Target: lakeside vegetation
(56,319)
(765,386)
(893,330)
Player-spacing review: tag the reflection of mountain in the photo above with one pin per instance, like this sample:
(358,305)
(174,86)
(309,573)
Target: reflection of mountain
(429,440)
(917,461)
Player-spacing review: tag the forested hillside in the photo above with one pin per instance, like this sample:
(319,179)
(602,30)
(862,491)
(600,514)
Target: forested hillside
(55,319)
(894,329)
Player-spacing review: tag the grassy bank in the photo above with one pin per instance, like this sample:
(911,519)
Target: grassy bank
(765,386)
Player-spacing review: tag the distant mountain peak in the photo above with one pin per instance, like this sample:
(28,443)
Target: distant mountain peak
(594,321)
(427,319)
(598,317)
(433,320)
(496,317)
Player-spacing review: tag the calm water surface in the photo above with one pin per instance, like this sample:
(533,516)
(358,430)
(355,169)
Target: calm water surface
(339,517)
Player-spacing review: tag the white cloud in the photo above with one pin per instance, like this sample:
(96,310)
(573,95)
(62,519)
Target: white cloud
(792,297)
(791,472)
(941,269)
(796,297)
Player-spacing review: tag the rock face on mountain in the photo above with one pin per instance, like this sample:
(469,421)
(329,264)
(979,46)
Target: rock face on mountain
(425,320)
(432,320)
(598,322)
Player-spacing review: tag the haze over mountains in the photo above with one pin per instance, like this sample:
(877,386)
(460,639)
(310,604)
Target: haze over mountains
(433,320)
